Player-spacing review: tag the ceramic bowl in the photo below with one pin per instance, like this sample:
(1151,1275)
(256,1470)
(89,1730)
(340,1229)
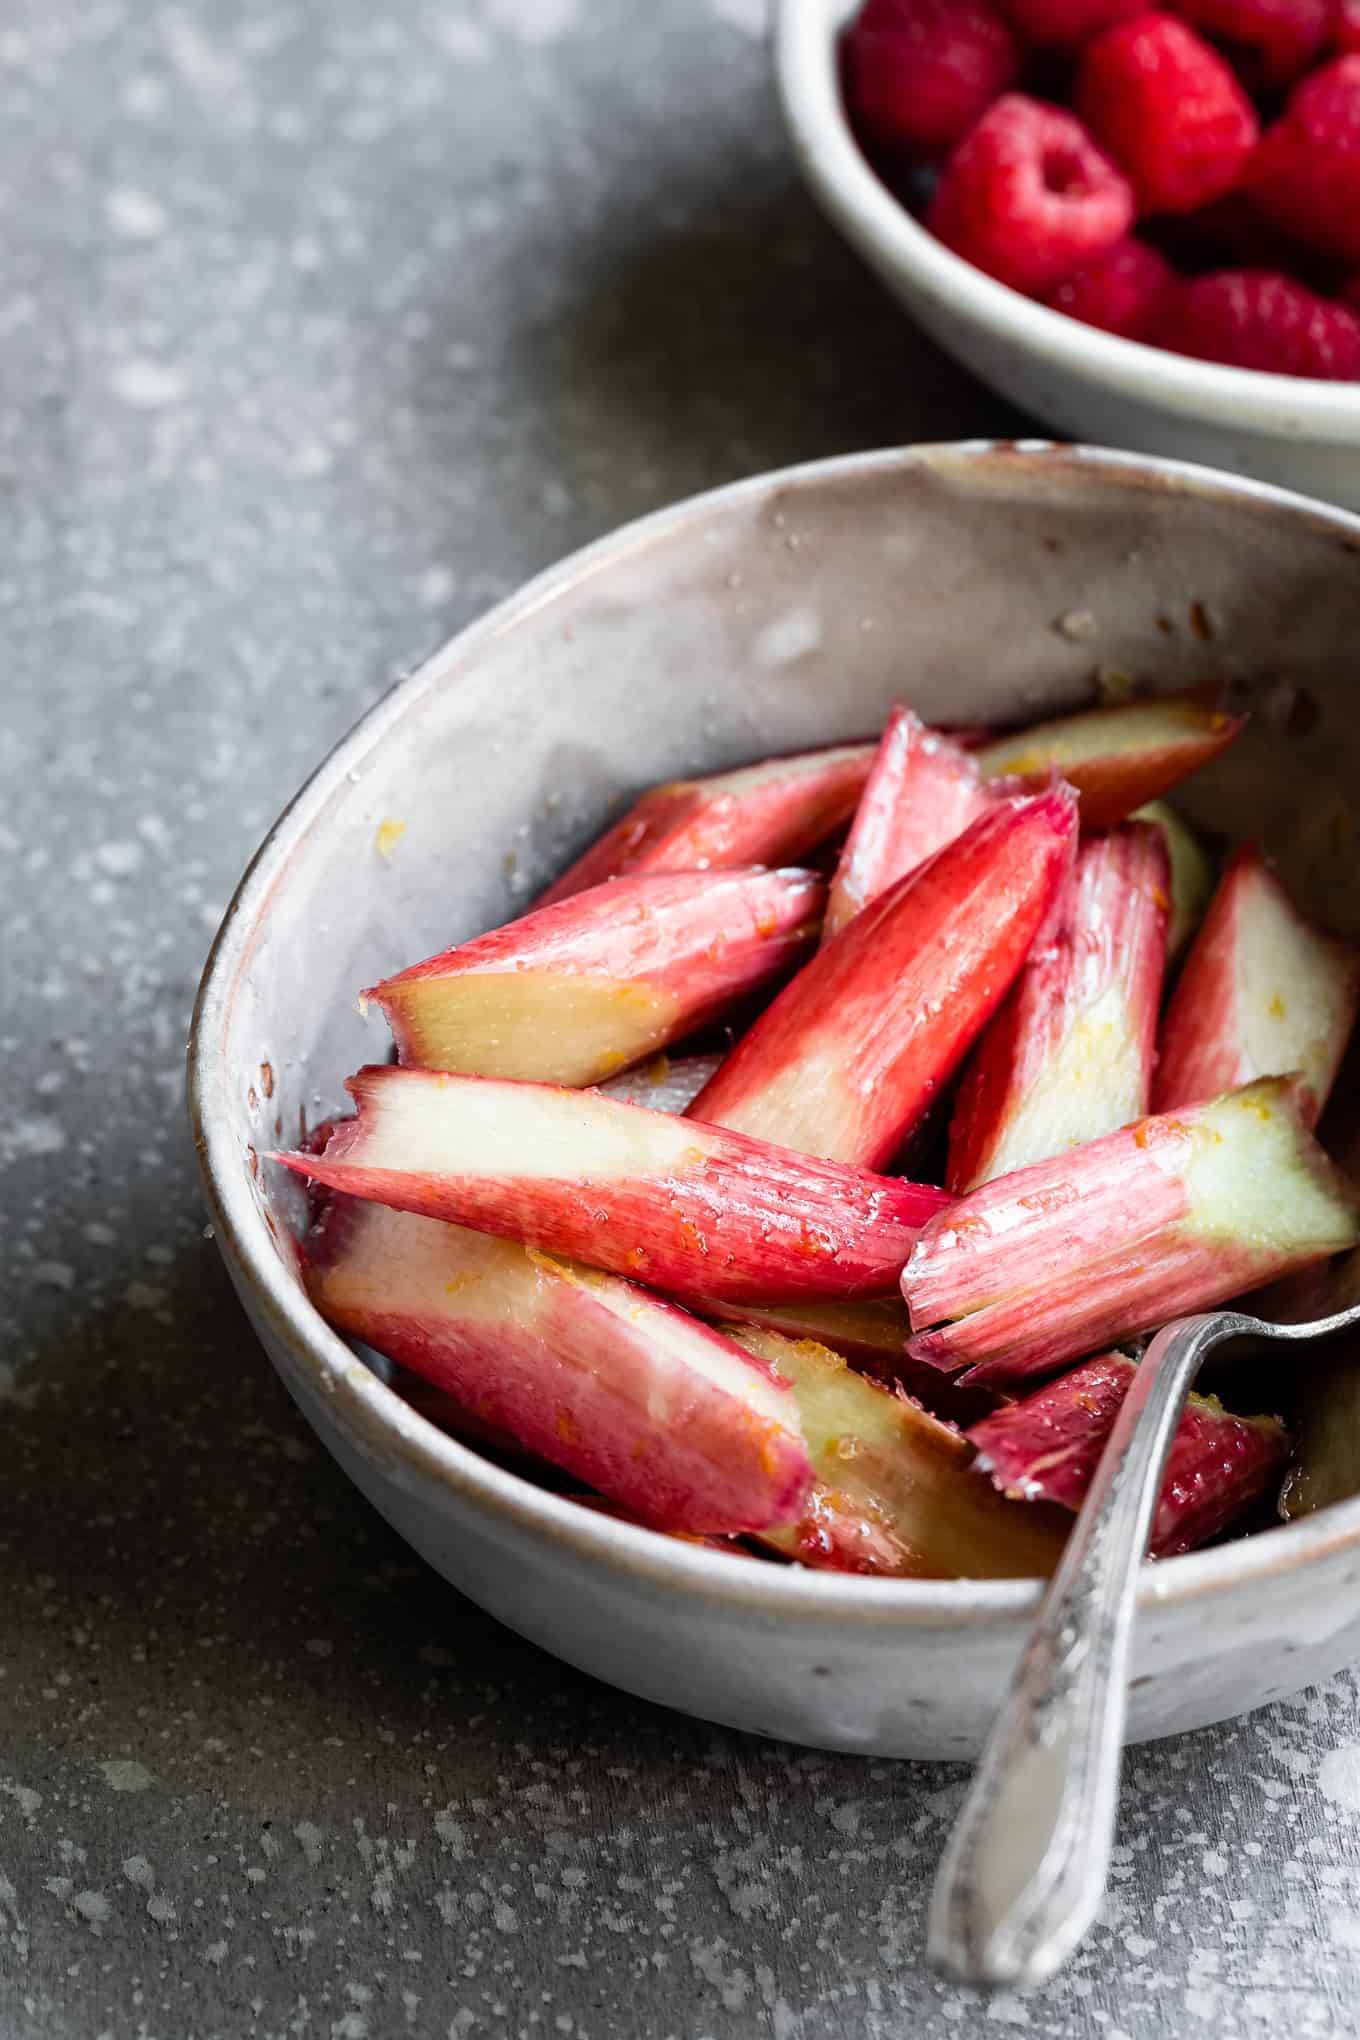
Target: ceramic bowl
(985,582)
(1089,385)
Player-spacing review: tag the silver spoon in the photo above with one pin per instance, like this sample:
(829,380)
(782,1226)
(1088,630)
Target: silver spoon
(1026,1865)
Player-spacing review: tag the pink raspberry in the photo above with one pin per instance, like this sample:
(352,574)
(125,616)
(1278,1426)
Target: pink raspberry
(1028,197)
(1121,291)
(1346,25)
(1305,176)
(1168,109)
(1272,42)
(919,72)
(1069,21)
(1255,318)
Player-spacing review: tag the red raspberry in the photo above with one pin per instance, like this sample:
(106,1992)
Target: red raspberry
(1254,318)
(919,72)
(1028,196)
(1305,176)
(1168,109)
(1346,25)
(1120,291)
(1069,21)
(1351,294)
(1272,42)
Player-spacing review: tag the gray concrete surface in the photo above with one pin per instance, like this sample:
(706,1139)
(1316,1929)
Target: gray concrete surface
(322,323)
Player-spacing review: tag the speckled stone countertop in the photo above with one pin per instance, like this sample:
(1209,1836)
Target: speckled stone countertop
(322,324)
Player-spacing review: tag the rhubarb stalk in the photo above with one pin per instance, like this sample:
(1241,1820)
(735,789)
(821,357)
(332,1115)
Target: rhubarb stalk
(691,1209)
(1069,1055)
(1047,1446)
(1263,992)
(850,1055)
(663,1415)
(1117,758)
(894,1490)
(1163,1218)
(923,791)
(771,813)
(573,992)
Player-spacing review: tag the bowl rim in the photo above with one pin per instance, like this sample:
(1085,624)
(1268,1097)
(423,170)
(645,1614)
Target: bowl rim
(375,1418)
(805,34)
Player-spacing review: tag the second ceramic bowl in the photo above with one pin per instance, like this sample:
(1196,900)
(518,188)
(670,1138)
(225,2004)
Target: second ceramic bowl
(1085,383)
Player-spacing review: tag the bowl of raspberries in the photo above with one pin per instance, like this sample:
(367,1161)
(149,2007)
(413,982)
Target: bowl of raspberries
(1140,224)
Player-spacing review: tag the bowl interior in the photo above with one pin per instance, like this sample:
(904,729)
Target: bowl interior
(990,583)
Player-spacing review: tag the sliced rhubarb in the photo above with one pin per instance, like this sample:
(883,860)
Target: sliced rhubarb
(683,1207)
(1047,1446)
(1163,1218)
(1263,992)
(1192,874)
(1069,1055)
(850,1055)
(1117,758)
(872,1336)
(662,1414)
(894,1490)
(664,1083)
(771,813)
(573,992)
(1326,1464)
(923,791)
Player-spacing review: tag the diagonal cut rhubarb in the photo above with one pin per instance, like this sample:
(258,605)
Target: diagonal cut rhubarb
(662,1414)
(1263,991)
(1047,1446)
(1118,758)
(573,992)
(872,1335)
(1165,1217)
(1069,1055)
(771,813)
(686,1208)
(850,1055)
(923,791)
(1192,874)
(895,1491)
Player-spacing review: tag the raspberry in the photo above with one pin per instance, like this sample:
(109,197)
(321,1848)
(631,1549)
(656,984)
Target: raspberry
(1069,21)
(1271,42)
(1351,294)
(1346,25)
(1120,291)
(1027,195)
(919,72)
(1255,318)
(1305,176)
(1168,109)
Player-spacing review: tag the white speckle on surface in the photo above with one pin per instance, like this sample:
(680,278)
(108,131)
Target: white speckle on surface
(134,215)
(789,637)
(311,1839)
(752,17)
(30,1135)
(147,385)
(54,1275)
(93,1908)
(120,860)
(200,61)
(25,1798)
(461,38)
(535,21)
(436,587)
(125,1774)
(1339,1777)
(319,1646)
(138,1871)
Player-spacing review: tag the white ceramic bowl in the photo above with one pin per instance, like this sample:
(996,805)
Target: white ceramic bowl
(1088,384)
(785,611)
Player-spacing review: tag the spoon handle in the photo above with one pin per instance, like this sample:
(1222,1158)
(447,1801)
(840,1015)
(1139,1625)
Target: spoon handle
(1026,1865)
